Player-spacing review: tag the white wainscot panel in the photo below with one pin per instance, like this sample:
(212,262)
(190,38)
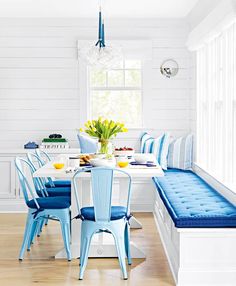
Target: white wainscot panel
(7,171)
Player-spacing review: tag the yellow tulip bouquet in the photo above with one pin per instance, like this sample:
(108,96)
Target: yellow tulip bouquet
(104,130)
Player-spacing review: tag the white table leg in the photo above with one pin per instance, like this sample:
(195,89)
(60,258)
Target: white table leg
(123,184)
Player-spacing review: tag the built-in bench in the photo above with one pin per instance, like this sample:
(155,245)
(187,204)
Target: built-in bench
(198,229)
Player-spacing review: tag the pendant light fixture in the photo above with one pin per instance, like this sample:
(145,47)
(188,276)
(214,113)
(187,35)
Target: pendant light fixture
(100,55)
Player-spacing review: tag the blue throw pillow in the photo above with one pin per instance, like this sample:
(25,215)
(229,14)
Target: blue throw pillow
(180,153)
(87,144)
(157,146)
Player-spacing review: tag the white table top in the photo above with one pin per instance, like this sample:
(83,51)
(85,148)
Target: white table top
(147,172)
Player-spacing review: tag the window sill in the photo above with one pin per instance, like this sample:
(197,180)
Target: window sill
(212,180)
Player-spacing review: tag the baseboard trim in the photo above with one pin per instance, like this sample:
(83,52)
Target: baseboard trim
(12,206)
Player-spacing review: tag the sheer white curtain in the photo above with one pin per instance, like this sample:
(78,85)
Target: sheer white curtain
(216,106)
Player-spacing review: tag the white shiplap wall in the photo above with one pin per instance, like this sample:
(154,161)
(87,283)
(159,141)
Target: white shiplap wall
(39,91)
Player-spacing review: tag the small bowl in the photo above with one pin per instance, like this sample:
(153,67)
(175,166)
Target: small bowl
(58,165)
(144,158)
(102,162)
(140,158)
(123,164)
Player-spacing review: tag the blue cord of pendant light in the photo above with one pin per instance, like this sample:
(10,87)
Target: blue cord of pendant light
(101,32)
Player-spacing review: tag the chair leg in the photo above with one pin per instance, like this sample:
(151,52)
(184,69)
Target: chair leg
(120,246)
(65,228)
(32,234)
(40,227)
(86,236)
(46,222)
(127,244)
(28,228)
(85,244)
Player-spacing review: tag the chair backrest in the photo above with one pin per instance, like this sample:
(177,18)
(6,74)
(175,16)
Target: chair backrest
(40,163)
(39,183)
(102,187)
(32,157)
(24,183)
(44,157)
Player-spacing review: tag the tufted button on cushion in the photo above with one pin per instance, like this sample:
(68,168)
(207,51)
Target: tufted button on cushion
(191,202)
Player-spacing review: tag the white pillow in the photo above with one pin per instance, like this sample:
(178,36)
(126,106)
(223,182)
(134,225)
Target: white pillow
(180,153)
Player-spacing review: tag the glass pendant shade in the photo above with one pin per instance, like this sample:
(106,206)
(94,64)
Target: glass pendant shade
(104,57)
(100,55)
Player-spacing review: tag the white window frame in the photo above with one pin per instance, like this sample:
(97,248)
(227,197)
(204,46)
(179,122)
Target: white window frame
(122,88)
(216,107)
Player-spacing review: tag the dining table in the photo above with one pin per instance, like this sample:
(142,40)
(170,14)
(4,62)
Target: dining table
(102,244)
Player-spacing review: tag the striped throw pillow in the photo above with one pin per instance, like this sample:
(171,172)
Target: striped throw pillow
(146,142)
(180,153)
(157,146)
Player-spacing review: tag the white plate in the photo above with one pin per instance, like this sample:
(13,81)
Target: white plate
(102,162)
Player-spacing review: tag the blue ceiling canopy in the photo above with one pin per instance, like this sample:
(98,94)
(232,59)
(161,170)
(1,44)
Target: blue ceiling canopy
(101,32)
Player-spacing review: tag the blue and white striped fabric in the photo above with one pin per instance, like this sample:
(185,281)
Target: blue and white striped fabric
(146,143)
(164,151)
(180,153)
(157,146)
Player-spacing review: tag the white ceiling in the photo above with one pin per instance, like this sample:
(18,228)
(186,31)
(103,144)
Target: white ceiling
(88,8)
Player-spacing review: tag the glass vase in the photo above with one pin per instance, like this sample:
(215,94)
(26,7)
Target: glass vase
(105,147)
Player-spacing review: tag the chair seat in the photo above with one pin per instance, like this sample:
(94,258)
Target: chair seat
(59,183)
(117,212)
(57,192)
(50,203)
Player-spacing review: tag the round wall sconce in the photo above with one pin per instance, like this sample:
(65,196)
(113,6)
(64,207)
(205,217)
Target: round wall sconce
(169,68)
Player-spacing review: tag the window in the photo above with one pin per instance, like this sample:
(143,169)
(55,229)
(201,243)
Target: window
(216,107)
(117,94)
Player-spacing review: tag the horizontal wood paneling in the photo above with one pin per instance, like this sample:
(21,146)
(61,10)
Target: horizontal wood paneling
(25,52)
(24,73)
(48,114)
(39,92)
(35,94)
(26,125)
(37,63)
(61,104)
(15,83)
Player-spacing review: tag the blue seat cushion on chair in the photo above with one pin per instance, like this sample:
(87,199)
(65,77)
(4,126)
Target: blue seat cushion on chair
(50,203)
(56,192)
(117,212)
(192,203)
(59,183)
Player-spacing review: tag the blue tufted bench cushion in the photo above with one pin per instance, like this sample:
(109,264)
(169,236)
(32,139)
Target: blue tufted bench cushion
(192,203)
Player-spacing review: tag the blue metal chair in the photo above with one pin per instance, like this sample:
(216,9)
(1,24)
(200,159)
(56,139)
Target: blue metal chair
(42,183)
(41,208)
(103,217)
(42,191)
(45,158)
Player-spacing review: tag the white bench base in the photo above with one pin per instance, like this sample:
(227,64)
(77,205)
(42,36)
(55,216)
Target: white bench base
(197,256)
